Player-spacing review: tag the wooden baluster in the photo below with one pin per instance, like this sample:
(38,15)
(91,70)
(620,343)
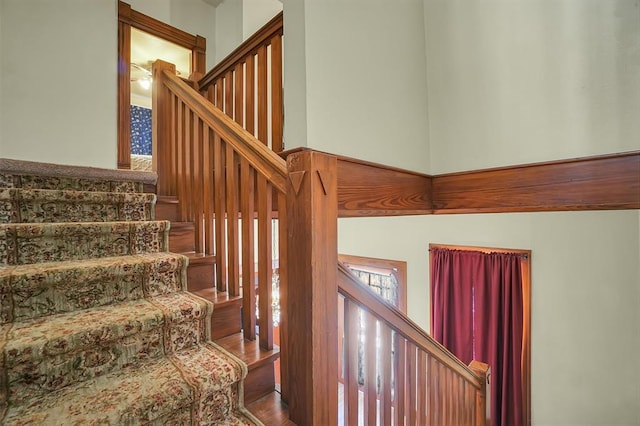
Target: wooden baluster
(233,249)
(265,262)
(239,95)
(370,376)
(422,387)
(385,374)
(187,165)
(276,94)
(351,360)
(220,93)
(219,204)
(180,172)
(247,194)
(263,135)
(198,208)
(411,383)
(432,391)
(228,94)
(211,93)
(399,399)
(312,211)
(448,394)
(284,285)
(171,151)
(250,96)
(454,392)
(207,190)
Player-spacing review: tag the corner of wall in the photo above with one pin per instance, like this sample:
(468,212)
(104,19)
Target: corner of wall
(295,75)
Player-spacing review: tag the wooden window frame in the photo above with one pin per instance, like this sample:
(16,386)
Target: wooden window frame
(128,18)
(525,263)
(398,268)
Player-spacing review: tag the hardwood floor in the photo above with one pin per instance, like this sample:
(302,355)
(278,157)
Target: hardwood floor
(271,410)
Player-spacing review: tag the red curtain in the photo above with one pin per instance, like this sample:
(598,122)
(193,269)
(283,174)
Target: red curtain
(476,313)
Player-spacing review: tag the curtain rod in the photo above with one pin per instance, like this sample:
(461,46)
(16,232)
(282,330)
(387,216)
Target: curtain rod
(522,255)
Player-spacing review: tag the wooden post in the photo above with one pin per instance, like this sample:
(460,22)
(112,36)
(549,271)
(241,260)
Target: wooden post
(312,297)
(483,396)
(161,126)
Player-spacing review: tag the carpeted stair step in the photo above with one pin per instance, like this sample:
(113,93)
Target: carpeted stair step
(48,353)
(53,242)
(19,205)
(35,175)
(197,386)
(31,291)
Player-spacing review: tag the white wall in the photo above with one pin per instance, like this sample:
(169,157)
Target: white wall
(364,67)
(531,80)
(295,74)
(1,72)
(515,82)
(256,13)
(228,27)
(158,9)
(585,299)
(58,81)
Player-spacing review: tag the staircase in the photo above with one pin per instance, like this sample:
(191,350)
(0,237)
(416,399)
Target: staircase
(96,323)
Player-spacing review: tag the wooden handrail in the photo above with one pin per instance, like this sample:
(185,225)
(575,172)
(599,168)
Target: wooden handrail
(271,29)
(267,162)
(349,286)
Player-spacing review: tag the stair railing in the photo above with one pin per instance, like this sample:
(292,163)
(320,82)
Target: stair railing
(229,185)
(392,372)
(247,84)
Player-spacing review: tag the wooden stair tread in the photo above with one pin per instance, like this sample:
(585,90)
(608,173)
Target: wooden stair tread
(249,351)
(271,410)
(167,199)
(218,298)
(199,257)
(182,225)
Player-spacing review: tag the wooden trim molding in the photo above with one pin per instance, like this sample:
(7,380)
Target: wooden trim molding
(605,182)
(368,189)
(398,267)
(128,18)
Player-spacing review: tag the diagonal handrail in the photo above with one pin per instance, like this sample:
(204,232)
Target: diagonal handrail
(259,156)
(230,186)
(429,385)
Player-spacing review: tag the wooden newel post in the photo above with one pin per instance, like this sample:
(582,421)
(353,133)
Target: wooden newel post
(483,396)
(312,298)
(161,127)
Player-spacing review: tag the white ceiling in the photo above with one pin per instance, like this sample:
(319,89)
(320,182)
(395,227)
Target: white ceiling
(145,49)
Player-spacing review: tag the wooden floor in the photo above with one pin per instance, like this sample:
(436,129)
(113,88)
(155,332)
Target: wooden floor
(271,410)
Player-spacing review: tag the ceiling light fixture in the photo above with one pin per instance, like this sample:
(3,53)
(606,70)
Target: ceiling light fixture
(145,80)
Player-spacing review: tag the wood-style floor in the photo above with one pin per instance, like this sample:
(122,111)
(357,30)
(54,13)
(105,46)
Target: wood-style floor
(271,410)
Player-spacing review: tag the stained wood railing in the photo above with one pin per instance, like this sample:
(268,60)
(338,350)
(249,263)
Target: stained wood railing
(247,84)
(227,184)
(393,373)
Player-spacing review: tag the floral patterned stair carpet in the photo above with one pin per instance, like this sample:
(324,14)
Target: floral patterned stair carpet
(96,325)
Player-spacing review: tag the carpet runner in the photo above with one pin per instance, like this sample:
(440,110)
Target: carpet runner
(96,324)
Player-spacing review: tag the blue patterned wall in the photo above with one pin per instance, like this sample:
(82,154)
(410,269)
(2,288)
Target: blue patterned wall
(140,130)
